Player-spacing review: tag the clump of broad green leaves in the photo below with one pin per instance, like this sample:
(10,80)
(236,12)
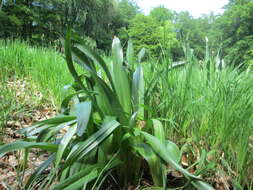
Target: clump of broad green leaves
(99,141)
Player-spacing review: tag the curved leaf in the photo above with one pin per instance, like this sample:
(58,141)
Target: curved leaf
(163,153)
(174,151)
(120,79)
(93,141)
(64,142)
(22,144)
(78,180)
(200,185)
(158,130)
(155,165)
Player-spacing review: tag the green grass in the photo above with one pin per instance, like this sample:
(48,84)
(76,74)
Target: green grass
(44,66)
(215,114)
(44,70)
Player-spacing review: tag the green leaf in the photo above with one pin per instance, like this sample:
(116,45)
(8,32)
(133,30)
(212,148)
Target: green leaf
(76,181)
(94,56)
(64,142)
(200,185)
(130,53)
(158,130)
(117,53)
(106,95)
(83,111)
(138,91)
(22,144)
(120,79)
(92,142)
(69,58)
(61,119)
(164,154)
(141,55)
(155,165)
(66,100)
(174,150)
(80,56)
(47,134)
(105,90)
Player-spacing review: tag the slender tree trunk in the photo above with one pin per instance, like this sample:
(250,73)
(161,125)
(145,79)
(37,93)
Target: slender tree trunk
(1,5)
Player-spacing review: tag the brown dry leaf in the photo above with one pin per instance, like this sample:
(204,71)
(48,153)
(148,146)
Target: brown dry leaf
(176,174)
(219,187)
(2,187)
(141,124)
(184,160)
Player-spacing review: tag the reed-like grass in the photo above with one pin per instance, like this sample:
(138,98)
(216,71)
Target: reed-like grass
(209,109)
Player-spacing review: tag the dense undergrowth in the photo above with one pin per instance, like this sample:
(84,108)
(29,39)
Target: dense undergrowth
(204,109)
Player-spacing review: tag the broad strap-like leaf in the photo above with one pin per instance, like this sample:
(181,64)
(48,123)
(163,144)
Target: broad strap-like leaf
(23,144)
(92,142)
(105,92)
(117,52)
(158,130)
(174,150)
(138,91)
(47,134)
(154,162)
(130,53)
(141,55)
(64,143)
(66,100)
(69,59)
(61,119)
(93,55)
(76,181)
(83,111)
(165,155)
(200,185)
(120,78)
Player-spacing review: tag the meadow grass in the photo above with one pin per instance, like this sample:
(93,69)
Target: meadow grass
(46,67)
(213,111)
(42,69)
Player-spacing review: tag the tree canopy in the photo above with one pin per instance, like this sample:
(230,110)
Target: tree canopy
(44,22)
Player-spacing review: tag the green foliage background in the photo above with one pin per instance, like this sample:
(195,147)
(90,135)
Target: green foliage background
(163,31)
